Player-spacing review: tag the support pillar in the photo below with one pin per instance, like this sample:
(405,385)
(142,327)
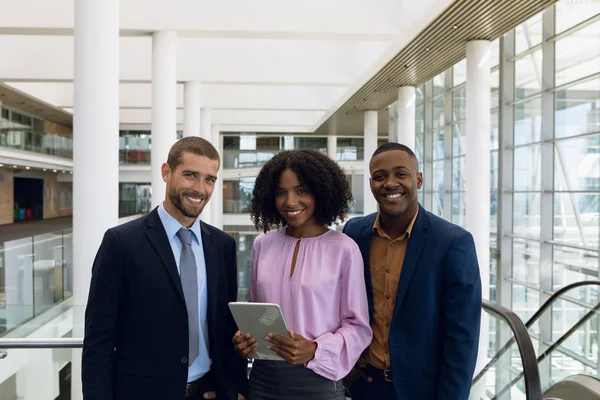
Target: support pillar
(405,116)
(191,109)
(370,129)
(164,107)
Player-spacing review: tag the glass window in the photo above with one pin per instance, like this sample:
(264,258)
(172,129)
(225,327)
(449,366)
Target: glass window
(458,208)
(526,301)
(528,122)
(350,149)
(527,168)
(526,214)
(495,123)
(528,75)
(439,84)
(526,261)
(459,72)
(495,88)
(419,131)
(459,142)
(495,53)
(458,174)
(578,55)
(459,104)
(438,144)
(578,109)
(528,34)
(570,13)
(438,113)
(420,95)
(438,187)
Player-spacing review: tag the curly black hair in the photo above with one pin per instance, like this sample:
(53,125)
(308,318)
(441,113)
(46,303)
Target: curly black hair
(323,178)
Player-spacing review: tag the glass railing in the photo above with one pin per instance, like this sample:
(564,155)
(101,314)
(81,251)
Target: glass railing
(571,346)
(513,372)
(246,158)
(43,143)
(35,275)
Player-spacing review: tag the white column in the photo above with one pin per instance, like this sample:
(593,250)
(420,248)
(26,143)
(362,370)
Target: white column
(332,147)
(477,165)
(206,125)
(206,133)
(405,116)
(95,147)
(96,134)
(370,147)
(216,200)
(392,134)
(164,106)
(191,109)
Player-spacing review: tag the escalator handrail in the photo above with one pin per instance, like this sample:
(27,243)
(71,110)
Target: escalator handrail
(533,386)
(547,304)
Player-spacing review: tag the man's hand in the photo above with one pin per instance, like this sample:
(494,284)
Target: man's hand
(245,344)
(353,376)
(213,395)
(295,350)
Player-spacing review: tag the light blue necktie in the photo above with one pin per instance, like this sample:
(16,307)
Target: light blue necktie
(189,282)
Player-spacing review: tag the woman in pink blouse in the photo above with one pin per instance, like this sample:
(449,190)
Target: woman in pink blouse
(315,274)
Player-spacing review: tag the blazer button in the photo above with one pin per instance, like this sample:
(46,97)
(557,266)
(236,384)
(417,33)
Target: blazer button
(184,324)
(184,360)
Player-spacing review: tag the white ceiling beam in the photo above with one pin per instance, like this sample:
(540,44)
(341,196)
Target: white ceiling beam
(231,17)
(231,97)
(256,61)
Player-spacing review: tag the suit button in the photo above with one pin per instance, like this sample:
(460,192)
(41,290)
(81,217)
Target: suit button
(184,324)
(184,360)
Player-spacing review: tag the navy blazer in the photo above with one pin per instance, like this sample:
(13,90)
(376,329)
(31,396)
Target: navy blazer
(136,324)
(434,334)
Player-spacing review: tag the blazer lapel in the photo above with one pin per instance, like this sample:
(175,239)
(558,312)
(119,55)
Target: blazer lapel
(211,260)
(158,238)
(363,240)
(413,251)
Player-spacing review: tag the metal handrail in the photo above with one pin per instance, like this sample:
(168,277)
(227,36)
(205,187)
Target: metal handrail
(533,385)
(45,343)
(533,320)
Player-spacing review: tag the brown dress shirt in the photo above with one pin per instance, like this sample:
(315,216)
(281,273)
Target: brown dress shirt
(387,257)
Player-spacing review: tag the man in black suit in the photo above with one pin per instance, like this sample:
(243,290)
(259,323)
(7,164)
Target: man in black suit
(157,323)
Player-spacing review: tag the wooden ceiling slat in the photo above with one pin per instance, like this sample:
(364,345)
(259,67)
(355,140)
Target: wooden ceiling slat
(476,19)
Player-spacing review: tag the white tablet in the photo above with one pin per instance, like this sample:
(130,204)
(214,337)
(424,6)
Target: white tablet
(259,319)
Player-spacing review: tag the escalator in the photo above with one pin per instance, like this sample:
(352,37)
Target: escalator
(524,365)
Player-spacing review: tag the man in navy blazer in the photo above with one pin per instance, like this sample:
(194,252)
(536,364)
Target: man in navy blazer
(157,282)
(424,291)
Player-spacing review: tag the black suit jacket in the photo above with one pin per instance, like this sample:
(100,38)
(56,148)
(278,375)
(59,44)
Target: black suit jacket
(434,336)
(136,334)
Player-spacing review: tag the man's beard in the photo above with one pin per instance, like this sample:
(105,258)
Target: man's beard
(177,200)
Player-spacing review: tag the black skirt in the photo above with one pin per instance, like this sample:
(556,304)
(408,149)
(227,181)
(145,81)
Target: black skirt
(279,380)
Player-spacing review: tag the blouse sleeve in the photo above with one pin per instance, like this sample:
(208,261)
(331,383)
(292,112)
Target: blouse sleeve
(339,351)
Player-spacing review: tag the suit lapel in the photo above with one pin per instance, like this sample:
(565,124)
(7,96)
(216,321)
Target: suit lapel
(364,243)
(211,260)
(413,251)
(158,238)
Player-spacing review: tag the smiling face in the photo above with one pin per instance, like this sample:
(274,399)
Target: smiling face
(294,202)
(189,186)
(395,182)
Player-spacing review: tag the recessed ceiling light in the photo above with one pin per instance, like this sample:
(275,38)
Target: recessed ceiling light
(45,170)
(64,172)
(455,27)
(14,166)
(27,167)
(53,170)
(1,165)
(71,172)
(426,48)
